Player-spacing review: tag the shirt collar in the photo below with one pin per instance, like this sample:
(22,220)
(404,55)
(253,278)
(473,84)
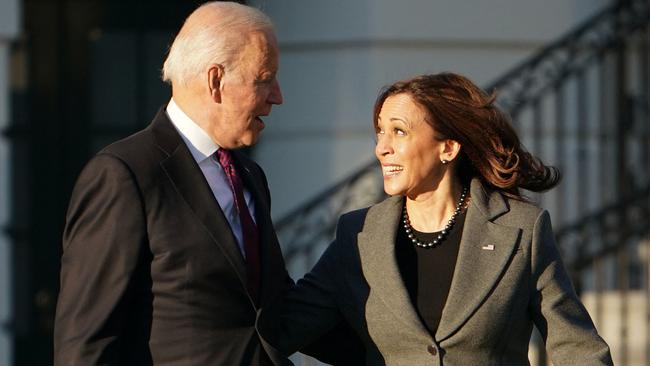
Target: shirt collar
(197,140)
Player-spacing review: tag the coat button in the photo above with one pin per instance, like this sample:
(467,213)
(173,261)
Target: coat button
(432,349)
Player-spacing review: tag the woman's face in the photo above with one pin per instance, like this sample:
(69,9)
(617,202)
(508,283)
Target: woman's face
(407,149)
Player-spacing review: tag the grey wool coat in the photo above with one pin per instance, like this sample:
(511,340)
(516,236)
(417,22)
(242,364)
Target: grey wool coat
(508,276)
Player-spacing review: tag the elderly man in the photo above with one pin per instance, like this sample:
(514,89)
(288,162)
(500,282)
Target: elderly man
(169,251)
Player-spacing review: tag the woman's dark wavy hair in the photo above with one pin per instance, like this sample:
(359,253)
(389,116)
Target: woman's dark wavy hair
(490,147)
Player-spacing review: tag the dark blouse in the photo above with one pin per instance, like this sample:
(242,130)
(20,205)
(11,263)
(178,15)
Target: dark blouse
(427,273)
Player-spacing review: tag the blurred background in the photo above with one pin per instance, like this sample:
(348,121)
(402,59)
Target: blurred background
(574,75)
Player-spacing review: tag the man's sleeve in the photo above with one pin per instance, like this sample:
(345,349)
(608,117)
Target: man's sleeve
(103,242)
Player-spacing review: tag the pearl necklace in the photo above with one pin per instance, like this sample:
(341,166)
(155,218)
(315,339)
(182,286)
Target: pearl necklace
(443,234)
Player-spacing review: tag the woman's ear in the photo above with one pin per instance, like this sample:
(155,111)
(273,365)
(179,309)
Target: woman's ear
(215,78)
(450,150)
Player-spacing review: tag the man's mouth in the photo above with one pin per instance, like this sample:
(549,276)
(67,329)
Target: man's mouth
(260,121)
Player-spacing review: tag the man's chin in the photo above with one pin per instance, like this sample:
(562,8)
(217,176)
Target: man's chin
(249,140)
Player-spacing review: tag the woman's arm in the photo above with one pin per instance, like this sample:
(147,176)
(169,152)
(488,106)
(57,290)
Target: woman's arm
(570,335)
(309,318)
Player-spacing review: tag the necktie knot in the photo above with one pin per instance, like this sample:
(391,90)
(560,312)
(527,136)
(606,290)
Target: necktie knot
(225,159)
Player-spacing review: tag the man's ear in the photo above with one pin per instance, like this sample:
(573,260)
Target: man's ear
(215,78)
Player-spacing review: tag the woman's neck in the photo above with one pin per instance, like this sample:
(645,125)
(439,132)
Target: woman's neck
(431,211)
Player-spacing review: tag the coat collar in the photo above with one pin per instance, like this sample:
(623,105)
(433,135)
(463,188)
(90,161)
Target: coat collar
(477,270)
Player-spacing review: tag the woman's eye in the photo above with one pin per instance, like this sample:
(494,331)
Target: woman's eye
(400,132)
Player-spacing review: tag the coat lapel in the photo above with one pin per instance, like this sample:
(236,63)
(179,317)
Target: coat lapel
(477,270)
(377,251)
(190,183)
(485,250)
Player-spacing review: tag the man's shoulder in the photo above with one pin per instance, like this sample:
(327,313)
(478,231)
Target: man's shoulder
(132,145)
(128,156)
(138,153)
(158,140)
(159,135)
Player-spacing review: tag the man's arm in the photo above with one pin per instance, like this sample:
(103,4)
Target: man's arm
(103,242)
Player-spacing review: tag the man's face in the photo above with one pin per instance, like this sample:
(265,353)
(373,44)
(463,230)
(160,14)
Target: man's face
(248,91)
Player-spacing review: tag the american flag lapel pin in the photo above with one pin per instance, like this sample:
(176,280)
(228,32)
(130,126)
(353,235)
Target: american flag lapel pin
(488,247)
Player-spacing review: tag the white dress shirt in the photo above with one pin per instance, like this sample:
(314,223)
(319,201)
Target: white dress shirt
(202,149)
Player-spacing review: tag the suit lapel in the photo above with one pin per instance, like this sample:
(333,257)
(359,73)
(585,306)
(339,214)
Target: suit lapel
(377,251)
(190,183)
(485,250)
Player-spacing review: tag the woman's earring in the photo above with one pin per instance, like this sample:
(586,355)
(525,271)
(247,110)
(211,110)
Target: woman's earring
(444,161)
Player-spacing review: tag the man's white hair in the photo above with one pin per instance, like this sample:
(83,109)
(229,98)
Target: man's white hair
(217,42)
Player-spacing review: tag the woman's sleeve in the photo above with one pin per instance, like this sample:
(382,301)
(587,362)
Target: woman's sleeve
(570,335)
(309,319)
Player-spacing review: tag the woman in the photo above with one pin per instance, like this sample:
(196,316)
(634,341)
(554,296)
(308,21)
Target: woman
(456,266)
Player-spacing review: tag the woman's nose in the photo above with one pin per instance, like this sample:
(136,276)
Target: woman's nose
(383,146)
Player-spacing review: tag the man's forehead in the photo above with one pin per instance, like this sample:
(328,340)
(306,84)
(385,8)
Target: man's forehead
(259,44)
(264,38)
(258,55)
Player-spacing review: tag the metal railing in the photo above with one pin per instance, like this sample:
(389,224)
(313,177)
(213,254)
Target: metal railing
(583,104)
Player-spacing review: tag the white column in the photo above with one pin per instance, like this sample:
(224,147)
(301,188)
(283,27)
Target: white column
(9,25)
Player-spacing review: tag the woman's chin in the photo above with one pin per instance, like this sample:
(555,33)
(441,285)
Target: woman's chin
(393,191)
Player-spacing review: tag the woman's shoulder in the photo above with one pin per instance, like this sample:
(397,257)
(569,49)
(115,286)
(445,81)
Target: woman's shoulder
(500,208)
(521,213)
(523,207)
(354,216)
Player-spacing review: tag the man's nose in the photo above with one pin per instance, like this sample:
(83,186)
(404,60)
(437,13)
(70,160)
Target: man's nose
(276,94)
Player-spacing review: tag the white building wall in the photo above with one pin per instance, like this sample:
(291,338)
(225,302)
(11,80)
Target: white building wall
(9,26)
(336,55)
